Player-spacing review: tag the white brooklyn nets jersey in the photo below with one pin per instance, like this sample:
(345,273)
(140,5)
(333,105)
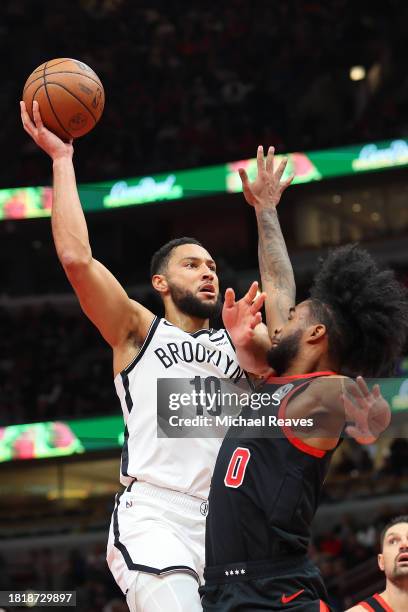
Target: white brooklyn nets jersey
(181,464)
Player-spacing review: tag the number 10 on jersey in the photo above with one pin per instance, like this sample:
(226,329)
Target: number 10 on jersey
(206,395)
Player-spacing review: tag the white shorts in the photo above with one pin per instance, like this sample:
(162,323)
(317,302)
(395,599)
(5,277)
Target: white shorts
(157,531)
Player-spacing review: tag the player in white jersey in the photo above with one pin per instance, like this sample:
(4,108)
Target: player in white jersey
(170,352)
(158,522)
(156,542)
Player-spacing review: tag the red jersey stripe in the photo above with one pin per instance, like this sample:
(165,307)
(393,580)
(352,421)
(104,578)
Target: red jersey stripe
(366,606)
(382,602)
(282,379)
(294,440)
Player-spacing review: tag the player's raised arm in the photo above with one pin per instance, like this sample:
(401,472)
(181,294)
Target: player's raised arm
(336,403)
(276,270)
(101,296)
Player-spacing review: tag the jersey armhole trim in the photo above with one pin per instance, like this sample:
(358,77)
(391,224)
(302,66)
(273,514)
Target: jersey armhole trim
(382,602)
(278,380)
(297,442)
(153,326)
(303,446)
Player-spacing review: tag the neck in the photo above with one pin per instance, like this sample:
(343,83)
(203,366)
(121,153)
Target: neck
(307,364)
(186,322)
(396,596)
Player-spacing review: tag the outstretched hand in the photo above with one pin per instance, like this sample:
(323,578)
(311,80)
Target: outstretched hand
(240,318)
(44,138)
(368,410)
(267,189)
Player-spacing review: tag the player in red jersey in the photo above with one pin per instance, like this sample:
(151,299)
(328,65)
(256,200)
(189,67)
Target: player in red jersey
(267,482)
(393,561)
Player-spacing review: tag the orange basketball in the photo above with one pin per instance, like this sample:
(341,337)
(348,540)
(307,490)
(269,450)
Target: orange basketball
(70,96)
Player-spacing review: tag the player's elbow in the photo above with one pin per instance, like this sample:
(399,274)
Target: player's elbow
(73,263)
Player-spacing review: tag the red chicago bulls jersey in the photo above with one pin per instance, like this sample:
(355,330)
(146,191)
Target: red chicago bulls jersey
(375,603)
(265,491)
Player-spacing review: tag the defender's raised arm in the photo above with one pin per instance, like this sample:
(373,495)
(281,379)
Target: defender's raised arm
(276,270)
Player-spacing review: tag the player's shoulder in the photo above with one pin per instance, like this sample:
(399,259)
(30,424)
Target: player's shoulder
(326,390)
(336,376)
(141,310)
(329,380)
(329,376)
(375,600)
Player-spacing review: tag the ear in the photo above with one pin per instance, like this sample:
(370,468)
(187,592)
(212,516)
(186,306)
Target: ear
(316,333)
(159,283)
(380,560)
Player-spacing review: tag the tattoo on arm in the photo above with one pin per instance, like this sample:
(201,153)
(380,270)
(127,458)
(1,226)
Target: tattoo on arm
(274,262)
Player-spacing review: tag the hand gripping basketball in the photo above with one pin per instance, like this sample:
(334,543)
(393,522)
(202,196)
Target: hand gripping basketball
(70,95)
(46,140)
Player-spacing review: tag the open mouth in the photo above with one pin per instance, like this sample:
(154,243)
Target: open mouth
(208,290)
(403,558)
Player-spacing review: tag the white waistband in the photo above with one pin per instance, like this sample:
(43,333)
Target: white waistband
(167,495)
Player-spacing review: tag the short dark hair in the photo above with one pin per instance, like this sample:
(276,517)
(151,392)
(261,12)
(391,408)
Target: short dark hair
(395,521)
(161,257)
(365,311)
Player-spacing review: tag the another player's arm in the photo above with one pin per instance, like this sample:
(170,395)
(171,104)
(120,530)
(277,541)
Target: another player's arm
(320,405)
(332,402)
(122,322)
(276,270)
(243,321)
(357,608)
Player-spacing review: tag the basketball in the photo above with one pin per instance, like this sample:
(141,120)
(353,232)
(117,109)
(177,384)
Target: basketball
(70,96)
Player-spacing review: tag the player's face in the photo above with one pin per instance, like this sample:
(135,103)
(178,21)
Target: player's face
(193,281)
(298,320)
(394,558)
(287,341)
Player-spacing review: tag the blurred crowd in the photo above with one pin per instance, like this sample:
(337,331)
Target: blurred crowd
(53,365)
(55,568)
(202,83)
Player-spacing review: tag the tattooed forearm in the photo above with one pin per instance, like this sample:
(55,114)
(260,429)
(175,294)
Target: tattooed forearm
(274,263)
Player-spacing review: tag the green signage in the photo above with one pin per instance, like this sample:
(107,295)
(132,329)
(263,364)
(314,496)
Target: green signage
(31,202)
(173,186)
(63,438)
(60,438)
